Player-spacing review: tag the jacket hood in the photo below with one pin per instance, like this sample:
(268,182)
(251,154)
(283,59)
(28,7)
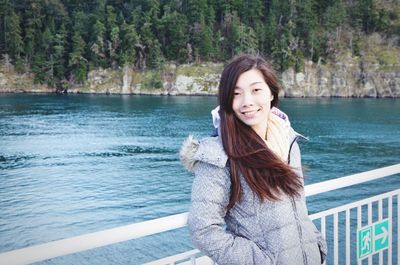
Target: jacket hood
(208,150)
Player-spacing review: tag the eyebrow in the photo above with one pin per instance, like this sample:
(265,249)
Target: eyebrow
(252,84)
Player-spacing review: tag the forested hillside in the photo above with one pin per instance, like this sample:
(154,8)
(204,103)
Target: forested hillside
(62,40)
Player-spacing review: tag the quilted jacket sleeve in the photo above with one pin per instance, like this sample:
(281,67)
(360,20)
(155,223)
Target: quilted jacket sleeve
(296,164)
(210,195)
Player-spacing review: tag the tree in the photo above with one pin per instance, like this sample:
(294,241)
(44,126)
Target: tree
(270,33)
(368,17)
(333,18)
(152,47)
(245,39)
(200,17)
(252,12)
(173,34)
(42,62)
(129,39)
(97,47)
(33,24)
(13,38)
(59,47)
(150,44)
(113,40)
(305,24)
(77,61)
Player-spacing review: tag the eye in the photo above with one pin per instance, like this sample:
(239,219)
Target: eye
(257,90)
(236,93)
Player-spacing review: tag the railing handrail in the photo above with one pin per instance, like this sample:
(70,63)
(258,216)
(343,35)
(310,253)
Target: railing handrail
(351,180)
(123,233)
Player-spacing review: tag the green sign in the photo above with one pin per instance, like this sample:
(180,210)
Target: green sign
(381,235)
(364,242)
(373,238)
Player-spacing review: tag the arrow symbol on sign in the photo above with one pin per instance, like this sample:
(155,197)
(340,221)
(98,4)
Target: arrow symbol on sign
(383,236)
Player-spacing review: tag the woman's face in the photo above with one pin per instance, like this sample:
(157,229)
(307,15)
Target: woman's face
(252,101)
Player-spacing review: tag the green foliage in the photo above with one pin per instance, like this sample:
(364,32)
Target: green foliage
(38,68)
(173,34)
(334,16)
(61,40)
(245,40)
(77,62)
(58,53)
(129,38)
(13,38)
(97,47)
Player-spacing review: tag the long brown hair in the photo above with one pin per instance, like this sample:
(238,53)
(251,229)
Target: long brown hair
(266,174)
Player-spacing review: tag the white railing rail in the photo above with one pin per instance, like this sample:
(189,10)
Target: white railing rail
(133,231)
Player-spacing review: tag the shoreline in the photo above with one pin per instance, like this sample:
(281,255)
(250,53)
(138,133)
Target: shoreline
(177,95)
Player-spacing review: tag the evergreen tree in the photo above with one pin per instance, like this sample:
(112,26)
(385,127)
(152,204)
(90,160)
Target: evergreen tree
(77,61)
(306,22)
(200,18)
(270,33)
(113,40)
(332,21)
(33,24)
(152,47)
(13,38)
(59,47)
(173,34)
(130,39)
(245,39)
(363,15)
(98,50)
(252,12)
(333,16)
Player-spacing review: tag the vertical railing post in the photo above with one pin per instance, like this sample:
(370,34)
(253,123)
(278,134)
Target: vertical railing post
(193,260)
(398,226)
(370,223)
(335,240)
(359,220)
(323,230)
(348,232)
(390,216)
(380,217)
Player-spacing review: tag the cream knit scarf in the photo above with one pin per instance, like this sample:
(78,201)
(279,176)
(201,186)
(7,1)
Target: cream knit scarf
(277,138)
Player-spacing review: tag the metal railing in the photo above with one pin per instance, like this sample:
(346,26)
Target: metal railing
(194,257)
(111,236)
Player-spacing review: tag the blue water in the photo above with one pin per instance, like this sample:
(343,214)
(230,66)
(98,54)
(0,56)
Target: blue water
(75,164)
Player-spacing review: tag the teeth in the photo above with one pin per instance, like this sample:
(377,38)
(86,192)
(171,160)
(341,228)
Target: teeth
(249,112)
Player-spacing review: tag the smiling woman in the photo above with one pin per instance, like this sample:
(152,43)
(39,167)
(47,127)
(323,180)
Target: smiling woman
(252,101)
(249,177)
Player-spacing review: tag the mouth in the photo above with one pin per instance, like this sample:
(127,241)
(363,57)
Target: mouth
(250,113)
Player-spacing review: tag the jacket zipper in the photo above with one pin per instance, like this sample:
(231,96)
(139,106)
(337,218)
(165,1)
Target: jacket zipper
(299,230)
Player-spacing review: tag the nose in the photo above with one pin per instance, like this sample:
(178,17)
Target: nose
(247,100)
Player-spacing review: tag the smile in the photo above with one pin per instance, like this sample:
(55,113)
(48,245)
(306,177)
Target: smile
(250,113)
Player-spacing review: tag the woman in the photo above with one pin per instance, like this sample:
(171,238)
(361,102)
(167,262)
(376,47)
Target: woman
(249,178)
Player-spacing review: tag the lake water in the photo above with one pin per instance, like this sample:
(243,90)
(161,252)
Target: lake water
(75,164)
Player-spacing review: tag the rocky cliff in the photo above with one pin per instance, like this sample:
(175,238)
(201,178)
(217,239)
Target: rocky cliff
(342,79)
(12,82)
(348,78)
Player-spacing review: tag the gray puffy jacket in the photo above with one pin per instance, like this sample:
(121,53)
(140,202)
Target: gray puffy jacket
(251,232)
